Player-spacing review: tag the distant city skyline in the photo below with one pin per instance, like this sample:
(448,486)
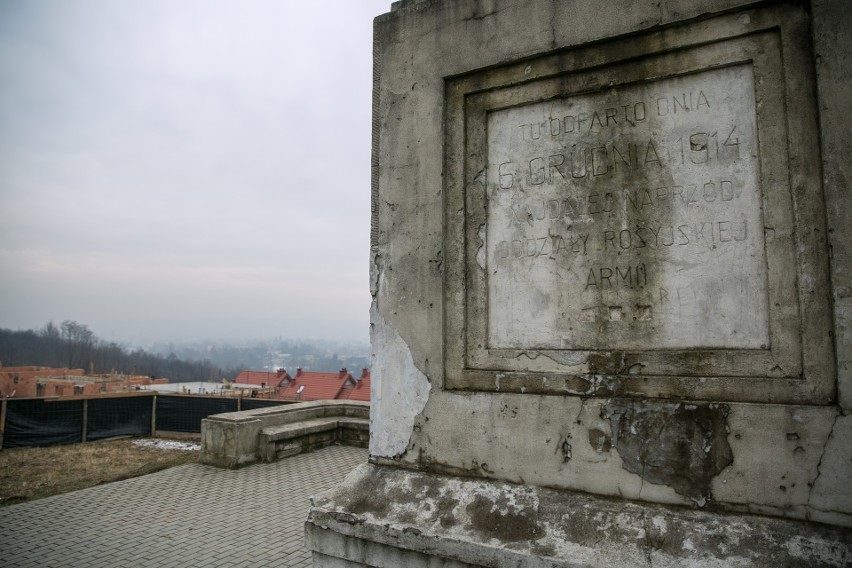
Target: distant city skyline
(173,171)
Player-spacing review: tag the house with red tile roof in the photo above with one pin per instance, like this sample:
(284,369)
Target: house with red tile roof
(311,385)
(356,389)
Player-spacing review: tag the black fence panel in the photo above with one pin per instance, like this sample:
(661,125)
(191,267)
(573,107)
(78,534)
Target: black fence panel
(252,403)
(110,417)
(42,423)
(184,413)
(39,422)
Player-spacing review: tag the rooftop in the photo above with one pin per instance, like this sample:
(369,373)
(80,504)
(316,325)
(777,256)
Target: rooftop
(309,385)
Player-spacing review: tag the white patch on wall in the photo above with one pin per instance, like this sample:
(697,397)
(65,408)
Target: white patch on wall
(399,390)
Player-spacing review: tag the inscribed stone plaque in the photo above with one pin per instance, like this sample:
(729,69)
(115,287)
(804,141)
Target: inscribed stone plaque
(646,225)
(628,218)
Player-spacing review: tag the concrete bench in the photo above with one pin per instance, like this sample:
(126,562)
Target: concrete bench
(234,439)
(291,439)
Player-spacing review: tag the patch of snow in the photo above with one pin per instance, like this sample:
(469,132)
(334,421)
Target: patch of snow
(166,444)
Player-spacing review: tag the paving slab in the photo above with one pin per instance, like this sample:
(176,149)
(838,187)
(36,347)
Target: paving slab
(193,516)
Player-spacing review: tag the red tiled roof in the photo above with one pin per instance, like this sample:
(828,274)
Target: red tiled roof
(358,391)
(317,386)
(311,385)
(272,379)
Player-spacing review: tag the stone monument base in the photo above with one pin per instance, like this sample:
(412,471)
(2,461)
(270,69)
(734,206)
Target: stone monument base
(389,517)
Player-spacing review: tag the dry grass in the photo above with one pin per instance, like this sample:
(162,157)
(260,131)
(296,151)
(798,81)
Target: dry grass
(33,473)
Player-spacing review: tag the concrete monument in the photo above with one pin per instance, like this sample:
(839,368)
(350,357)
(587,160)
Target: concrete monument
(611,278)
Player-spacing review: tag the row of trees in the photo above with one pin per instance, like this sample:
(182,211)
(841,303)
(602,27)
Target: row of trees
(75,346)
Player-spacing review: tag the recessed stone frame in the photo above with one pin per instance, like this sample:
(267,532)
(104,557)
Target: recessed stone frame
(773,178)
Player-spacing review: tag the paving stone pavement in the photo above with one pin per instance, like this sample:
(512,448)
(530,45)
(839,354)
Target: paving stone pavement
(187,516)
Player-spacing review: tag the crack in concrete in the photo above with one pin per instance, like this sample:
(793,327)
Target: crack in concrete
(813,482)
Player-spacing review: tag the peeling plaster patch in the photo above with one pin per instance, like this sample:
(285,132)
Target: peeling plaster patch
(683,446)
(598,385)
(375,271)
(400,390)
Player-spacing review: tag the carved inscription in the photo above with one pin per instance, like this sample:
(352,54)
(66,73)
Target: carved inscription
(628,218)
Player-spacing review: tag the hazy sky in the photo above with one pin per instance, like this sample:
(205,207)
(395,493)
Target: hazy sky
(176,169)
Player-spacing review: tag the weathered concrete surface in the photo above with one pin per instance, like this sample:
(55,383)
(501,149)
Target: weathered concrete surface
(629,218)
(533,440)
(231,442)
(234,439)
(833,62)
(481,372)
(379,514)
(833,471)
(611,256)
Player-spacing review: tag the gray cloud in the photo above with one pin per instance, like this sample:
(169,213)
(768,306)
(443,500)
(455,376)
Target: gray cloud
(171,170)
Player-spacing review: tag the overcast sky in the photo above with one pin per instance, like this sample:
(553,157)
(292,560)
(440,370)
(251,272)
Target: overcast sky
(176,169)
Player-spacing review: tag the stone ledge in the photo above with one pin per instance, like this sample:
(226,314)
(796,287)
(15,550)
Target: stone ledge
(277,442)
(234,439)
(286,414)
(290,431)
(380,516)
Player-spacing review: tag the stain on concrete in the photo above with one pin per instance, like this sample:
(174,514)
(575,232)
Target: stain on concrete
(499,519)
(599,440)
(446,517)
(605,362)
(681,445)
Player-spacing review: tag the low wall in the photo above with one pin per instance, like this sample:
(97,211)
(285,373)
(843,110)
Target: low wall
(234,439)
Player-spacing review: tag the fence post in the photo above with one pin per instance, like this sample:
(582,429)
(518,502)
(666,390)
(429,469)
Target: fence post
(2,421)
(85,419)
(240,402)
(154,416)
